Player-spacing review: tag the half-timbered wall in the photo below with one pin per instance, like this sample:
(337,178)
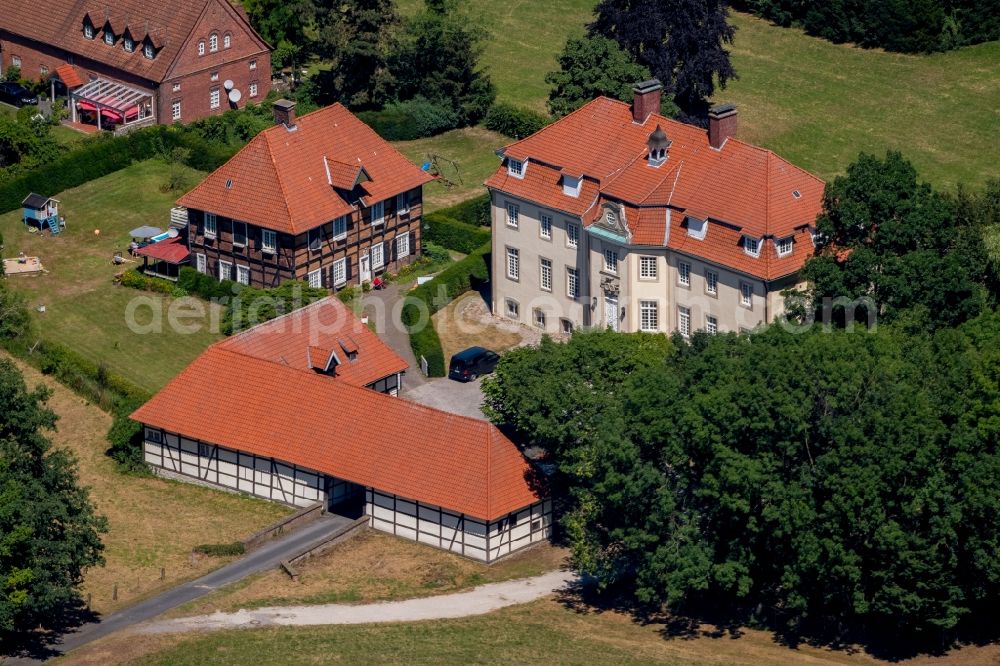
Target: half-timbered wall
(459,533)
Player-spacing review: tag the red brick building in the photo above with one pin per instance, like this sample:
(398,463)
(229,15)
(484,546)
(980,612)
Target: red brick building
(137,62)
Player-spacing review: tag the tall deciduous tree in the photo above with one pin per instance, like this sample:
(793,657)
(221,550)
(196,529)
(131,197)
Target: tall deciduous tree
(886,236)
(682,42)
(590,67)
(49,531)
(436,56)
(279,21)
(353,35)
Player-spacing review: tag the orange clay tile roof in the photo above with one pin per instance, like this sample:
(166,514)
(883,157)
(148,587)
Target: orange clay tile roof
(740,188)
(280,180)
(70,76)
(323,326)
(169,25)
(259,406)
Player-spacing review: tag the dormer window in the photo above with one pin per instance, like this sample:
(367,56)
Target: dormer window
(88,29)
(571,185)
(610,218)
(657,147)
(751,246)
(129,44)
(784,246)
(515,168)
(697,228)
(148,51)
(109,36)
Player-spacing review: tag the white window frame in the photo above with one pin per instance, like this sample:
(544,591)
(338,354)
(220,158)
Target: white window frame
(243,274)
(268,241)
(513,263)
(515,168)
(378,213)
(341,233)
(649,316)
(214,76)
(711,324)
(213,43)
(175,110)
(784,246)
(513,215)
(746,295)
(109,38)
(538,318)
(176,87)
(545,274)
(214,98)
(201,47)
(684,320)
(378,256)
(572,282)
(211,225)
(611,261)
(201,263)
(648,268)
(545,226)
(512,309)
(129,45)
(236,225)
(88,31)
(147,51)
(572,234)
(253,65)
(253,89)
(228,270)
(684,273)
(754,249)
(227,41)
(403,245)
(315,278)
(711,283)
(339,272)
(402,203)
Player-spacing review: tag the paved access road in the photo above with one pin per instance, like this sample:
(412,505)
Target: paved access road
(266,557)
(463,398)
(479,600)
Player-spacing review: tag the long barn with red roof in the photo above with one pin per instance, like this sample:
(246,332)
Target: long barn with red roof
(618,216)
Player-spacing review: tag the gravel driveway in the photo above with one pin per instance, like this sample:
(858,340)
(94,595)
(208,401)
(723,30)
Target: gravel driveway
(447,395)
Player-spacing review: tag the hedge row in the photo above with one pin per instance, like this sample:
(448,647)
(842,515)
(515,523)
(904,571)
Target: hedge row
(475,211)
(514,121)
(221,549)
(99,157)
(434,295)
(448,232)
(133,279)
(414,119)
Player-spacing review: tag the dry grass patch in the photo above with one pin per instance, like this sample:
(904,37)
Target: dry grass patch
(152,522)
(374,567)
(467,322)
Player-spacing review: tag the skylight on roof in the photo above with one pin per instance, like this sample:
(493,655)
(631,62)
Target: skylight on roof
(796,194)
(229,184)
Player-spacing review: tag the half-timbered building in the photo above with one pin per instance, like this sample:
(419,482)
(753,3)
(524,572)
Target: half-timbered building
(320,198)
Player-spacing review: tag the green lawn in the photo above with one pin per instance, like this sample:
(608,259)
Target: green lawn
(84,310)
(816,103)
(472,151)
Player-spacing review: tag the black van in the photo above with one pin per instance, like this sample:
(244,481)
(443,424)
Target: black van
(469,364)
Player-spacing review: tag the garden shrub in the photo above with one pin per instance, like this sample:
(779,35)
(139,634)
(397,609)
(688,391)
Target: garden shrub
(514,121)
(448,232)
(413,119)
(221,549)
(133,279)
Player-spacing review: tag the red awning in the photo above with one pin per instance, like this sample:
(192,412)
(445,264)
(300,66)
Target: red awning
(111,114)
(86,106)
(171,250)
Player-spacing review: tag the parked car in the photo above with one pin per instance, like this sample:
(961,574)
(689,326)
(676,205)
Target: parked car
(16,94)
(469,364)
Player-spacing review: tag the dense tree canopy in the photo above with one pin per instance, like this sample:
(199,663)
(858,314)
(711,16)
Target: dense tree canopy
(681,42)
(817,482)
(49,531)
(913,251)
(593,66)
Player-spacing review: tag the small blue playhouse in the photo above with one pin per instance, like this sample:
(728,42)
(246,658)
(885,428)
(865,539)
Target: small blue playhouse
(41,212)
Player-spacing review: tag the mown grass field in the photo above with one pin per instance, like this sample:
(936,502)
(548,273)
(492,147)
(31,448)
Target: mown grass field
(152,522)
(83,309)
(816,103)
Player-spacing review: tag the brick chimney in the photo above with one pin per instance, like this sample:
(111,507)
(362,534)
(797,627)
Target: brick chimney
(284,113)
(721,124)
(645,100)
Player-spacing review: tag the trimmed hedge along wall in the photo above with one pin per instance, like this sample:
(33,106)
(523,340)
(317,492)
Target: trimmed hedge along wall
(453,281)
(448,232)
(99,157)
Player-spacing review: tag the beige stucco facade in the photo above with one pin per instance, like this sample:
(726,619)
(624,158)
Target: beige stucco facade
(629,290)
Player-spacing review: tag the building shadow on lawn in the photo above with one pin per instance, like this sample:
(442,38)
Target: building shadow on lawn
(45,642)
(877,642)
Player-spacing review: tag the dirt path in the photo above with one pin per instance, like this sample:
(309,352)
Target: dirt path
(479,600)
